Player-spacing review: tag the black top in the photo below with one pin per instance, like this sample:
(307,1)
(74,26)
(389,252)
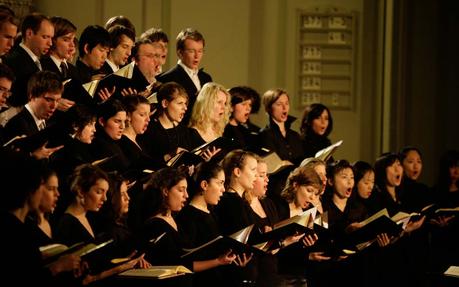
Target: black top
(243,136)
(48,65)
(168,249)
(158,141)
(70,231)
(21,124)
(104,146)
(83,72)
(313,142)
(24,262)
(23,67)
(233,213)
(178,74)
(288,147)
(416,195)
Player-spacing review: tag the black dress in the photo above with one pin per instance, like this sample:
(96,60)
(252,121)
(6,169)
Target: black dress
(158,141)
(200,227)
(169,249)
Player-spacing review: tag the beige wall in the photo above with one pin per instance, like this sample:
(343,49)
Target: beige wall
(248,42)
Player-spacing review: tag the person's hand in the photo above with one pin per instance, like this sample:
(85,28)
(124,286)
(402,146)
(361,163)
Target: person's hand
(97,77)
(210,152)
(45,152)
(310,240)
(69,262)
(414,225)
(128,91)
(441,221)
(64,104)
(267,228)
(353,226)
(383,239)
(242,260)
(318,256)
(291,239)
(226,258)
(105,94)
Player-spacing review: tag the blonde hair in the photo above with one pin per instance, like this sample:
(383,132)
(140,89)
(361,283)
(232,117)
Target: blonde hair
(204,106)
(248,194)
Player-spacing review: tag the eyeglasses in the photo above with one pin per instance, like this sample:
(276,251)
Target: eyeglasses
(151,56)
(5,91)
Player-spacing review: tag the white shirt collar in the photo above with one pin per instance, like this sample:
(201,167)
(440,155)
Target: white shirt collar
(31,54)
(112,65)
(189,71)
(57,62)
(38,121)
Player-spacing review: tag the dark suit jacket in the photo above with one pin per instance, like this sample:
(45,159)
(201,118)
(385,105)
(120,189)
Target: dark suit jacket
(48,65)
(21,124)
(106,69)
(178,74)
(23,67)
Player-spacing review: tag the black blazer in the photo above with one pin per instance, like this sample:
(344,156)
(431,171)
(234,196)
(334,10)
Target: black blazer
(48,65)
(178,74)
(23,67)
(21,124)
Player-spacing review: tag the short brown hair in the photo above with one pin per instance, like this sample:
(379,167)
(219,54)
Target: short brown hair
(271,96)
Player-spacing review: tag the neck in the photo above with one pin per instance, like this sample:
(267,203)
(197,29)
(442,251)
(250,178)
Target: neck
(236,188)
(166,120)
(76,209)
(130,134)
(200,203)
(55,55)
(233,122)
(293,207)
(391,191)
(21,213)
(340,202)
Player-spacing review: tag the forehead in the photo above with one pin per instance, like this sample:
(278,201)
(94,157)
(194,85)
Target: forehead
(190,43)
(52,95)
(8,27)
(150,48)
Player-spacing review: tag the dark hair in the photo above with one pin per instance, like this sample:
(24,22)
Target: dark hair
(405,150)
(337,166)
(79,116)
(8,18)
(5,9)
(44,82)
(111,211)
(239,94)
(155,35)
(312,112)
(164,179)
(138,43)
(84,177)
(449,159)
(360,168)
(109,109)
(167,92)
(116,32)
(131,102)
(205,171)
(120,20)
(62,26)
(93,36)
(385,160)
(21,176)
(32,21)
(188,33)
(6,72)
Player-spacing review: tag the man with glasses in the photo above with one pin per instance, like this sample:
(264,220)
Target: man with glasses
(190,50)
(44,90)
(147,57)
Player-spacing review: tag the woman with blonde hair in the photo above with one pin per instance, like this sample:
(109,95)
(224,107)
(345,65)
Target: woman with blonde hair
(210,114)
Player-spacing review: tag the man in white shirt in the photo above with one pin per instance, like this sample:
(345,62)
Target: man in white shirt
(45,90)
(190,50)
(37,32)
